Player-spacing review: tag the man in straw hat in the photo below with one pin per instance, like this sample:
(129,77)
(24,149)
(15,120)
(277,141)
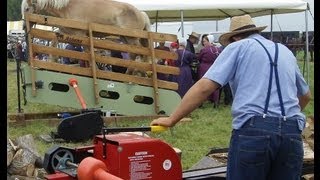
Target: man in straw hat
(193,39)
(269,95)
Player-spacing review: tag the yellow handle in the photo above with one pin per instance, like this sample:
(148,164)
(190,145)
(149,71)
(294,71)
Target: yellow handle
(158,128)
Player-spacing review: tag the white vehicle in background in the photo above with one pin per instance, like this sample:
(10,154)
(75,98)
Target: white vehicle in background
(16,33)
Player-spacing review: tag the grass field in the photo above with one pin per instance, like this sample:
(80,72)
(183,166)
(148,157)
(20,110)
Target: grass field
(210,128)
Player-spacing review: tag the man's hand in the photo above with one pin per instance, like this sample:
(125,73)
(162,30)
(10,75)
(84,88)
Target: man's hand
(197,94)
(163,121)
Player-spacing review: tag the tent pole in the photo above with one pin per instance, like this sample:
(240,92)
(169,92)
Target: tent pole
(217,28)
(271,27)
(182,26)
(157,21)
(307,46)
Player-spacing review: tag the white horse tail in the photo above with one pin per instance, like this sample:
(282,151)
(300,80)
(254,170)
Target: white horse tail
(147,23)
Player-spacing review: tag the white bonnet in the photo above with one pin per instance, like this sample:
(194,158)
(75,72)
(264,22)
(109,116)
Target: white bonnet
(210,38)
(182,42)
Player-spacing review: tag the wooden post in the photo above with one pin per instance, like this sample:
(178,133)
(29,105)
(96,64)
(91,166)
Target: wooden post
(154,74)
(93,66)
(31,60)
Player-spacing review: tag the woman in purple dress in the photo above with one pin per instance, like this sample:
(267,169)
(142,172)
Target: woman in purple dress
(184,79)
(206,57)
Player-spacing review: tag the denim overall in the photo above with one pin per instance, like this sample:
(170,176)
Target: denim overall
(266,147)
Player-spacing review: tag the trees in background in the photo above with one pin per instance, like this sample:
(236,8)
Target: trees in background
(14,10)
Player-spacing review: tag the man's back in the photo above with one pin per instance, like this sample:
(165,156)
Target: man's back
(246,65)
(266,137)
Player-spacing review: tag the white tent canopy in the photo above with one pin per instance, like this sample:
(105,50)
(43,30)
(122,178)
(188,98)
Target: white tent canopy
(202,10)
(18,25)
(14,25)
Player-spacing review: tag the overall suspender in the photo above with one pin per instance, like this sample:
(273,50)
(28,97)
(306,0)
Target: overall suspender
(273,65)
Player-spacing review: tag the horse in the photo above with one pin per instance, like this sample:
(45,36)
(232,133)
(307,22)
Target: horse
(107,12)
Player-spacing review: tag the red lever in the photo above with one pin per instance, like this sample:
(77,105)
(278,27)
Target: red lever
(94,169)
(74,83)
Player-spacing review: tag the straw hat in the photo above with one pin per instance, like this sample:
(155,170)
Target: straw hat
(196,35)
(239,24)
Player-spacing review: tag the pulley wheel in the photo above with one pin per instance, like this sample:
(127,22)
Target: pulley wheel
(56,158)
(60,158)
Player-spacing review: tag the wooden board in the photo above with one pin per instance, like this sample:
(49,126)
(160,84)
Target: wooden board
(101,43)
(103,59)
(103,74)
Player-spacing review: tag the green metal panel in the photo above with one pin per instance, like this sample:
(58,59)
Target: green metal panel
(124,105)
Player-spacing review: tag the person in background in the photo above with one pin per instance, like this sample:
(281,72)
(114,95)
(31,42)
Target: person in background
(118,69)
(227,100)
(184,79)
(173,48)
(162,46)
(118,54)
(207,56)
(10,50)
(18,51)
(191,41)
(203,36)
(24,51)
(66,60)
(269,96)
(170,62)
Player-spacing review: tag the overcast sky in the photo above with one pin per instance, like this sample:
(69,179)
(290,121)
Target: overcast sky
(281,22)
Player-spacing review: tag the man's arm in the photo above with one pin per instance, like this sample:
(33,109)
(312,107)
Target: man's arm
(304,100)
(192,100)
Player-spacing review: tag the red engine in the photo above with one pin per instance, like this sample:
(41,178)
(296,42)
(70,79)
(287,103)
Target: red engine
(124,155)
(131,156)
